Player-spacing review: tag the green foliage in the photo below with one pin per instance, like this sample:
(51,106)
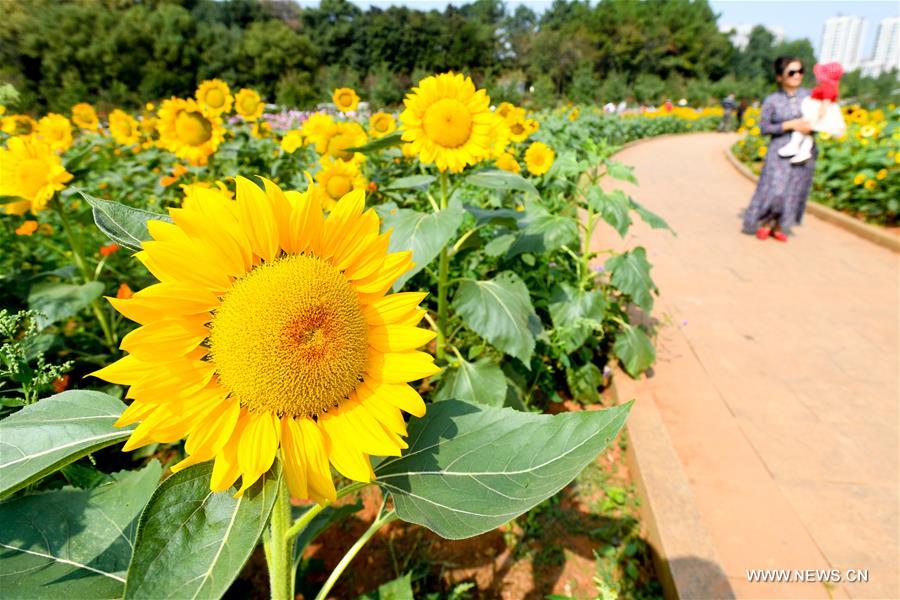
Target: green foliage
(472,468)
(23,365)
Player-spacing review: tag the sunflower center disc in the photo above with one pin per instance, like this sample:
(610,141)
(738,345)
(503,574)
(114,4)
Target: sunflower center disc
(290,338)
(215,98)
(192,128)
(448,123)
(337,147)
(249,105)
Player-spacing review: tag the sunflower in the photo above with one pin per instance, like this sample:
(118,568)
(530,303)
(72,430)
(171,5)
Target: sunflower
(868,131)
(518,129)
(346,135)
(508,162)
(18,125)
(881,174)
(381,124)
(499,136)
(531,126)
(870,184)
(248,104)
(270,334)
(215,96)
(56,131)
(261,130)
(859,179)
(448,122)
(539,158)
(345,99)
(504,109)
(84,116)
(124,128)
(318,129)
(29,169)
(335,179)
(187,131)
(190,189)
(291,141)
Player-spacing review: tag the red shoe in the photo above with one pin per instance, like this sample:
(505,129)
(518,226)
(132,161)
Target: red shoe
(763,232)
(780,236)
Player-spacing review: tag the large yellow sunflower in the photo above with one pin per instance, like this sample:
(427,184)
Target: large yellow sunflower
(448,122)
(248,104)
(345,99)
(335,179)
(30,170)
(124,128)
(84,116)
(539,158)
(215,96)
(56,131)
(381,124)
(188,131)
(271,333)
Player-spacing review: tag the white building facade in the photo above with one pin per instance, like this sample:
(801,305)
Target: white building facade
(887,48)
(842,41)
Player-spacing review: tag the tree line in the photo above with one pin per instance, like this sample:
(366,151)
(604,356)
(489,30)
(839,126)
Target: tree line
(55,53)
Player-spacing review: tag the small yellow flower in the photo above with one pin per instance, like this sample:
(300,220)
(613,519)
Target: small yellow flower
(824,136)
(335,179)
(859,179)
(345,99)
(881,174)
(84,115)
(27,228)
(750,122)
(261,130)
(762,152)
(55,130)
(754,131)
(215,96)
(317,130)
(30,170)
(539,158)
(188,131)
(248,104)
(346,135)
(291,141)
(508,162)
(124,128)
(868,131)
(381,124)
(870,184)
(18,125)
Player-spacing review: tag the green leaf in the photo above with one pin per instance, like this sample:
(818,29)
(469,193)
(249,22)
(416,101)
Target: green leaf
(634,349)
(613,207)
(398,589)
(544,232)
(470,468)
(505,217)
(500,311)
(500,245)
(502,180)
(481,382)
(54,432)
(72,543)
(58,301)
(387,141)
(413,181)
(630,273)
(11,200)
(576,314)
(584,381)
(191,542)
(329,516)
(617,170)
(649,217)
(122,224)
(423,233)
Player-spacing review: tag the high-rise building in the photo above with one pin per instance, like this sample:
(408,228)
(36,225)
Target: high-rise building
(842,41)
(887,48)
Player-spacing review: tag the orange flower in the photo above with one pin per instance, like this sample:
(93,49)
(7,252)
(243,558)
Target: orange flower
(373,187)
(108,249)
(124,292)
(60,384)
(27,228)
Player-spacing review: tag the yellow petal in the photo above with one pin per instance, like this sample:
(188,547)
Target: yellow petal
(171,338)
(294,458)
(370,259)
(386,413)
(257,219)
(126,370)
(321,486)
(257,448)
(391,309)
(209,436)
(306,222)
(400,367)
(397,338)
(345,212)
(346,457)
(226,469)
(394,266)
(401,395)
(282,210)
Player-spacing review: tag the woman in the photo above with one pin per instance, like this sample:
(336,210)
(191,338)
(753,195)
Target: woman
(780,197)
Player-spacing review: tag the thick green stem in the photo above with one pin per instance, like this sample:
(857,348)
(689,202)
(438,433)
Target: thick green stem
(353,551)
(108,334)
(280,547)
(301,523)
(443,276)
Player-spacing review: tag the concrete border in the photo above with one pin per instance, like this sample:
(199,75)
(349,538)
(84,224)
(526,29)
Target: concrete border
(683,553)
(855,226)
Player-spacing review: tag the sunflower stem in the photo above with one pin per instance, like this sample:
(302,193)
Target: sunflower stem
(443,276)
(353,551)
(280,547)
(304,520)
(108,335)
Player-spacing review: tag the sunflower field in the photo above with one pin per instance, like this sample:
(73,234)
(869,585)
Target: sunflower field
(280,309)
(858,173)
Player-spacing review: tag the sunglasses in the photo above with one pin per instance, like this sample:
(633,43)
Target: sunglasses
(792,72)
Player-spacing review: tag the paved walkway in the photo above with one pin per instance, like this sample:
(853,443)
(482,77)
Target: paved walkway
(777,376)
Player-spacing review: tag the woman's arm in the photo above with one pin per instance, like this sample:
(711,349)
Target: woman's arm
(767,123)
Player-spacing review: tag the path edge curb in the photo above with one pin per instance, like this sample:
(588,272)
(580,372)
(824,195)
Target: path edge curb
(683,553)
(855,226)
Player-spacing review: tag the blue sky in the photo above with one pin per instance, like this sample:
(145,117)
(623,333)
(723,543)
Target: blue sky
(798,18)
